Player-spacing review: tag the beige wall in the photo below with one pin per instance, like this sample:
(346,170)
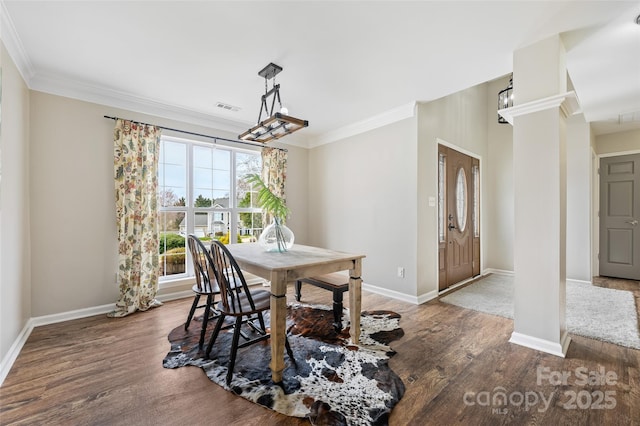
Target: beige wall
(498,199)
(367,193)
(579,191)
(363,199)
(618,142)
(371,191)
(498,192)
(460,120)
(499,196)
(15,282)
(376,202)
(74,244)
(73,229)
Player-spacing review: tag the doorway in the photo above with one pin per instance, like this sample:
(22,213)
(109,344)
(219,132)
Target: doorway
(458,217)
(619,217)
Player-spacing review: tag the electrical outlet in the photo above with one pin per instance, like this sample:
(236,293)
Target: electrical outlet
(400,272)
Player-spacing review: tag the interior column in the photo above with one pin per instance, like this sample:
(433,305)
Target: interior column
(539,160)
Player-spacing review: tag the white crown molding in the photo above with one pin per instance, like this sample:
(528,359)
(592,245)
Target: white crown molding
(14,45)
(567,102)
(388,117)
(55,85)
(104,96)
(60,86)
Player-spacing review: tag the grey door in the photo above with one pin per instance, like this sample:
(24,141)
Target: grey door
(620,216)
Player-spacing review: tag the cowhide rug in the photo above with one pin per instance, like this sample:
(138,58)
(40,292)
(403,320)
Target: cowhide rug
(330,383)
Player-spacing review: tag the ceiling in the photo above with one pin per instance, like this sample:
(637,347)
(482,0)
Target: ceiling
(344,61)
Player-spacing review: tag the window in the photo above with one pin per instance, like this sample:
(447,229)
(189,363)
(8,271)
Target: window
(202,191)
(475,171)
(442,167)
(461,199)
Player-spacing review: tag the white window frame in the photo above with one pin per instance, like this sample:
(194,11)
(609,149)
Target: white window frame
(176,280)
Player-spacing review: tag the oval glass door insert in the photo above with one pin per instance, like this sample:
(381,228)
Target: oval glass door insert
(461,199)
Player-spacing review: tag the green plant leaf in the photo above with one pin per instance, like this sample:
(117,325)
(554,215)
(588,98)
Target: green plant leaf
(267,200)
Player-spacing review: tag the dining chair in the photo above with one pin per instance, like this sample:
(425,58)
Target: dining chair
(206,284)
(239,302)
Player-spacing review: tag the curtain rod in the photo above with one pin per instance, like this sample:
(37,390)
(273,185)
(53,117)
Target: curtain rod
(215,138)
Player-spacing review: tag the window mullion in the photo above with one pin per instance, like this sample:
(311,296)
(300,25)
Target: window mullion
(189,204)
(233,210)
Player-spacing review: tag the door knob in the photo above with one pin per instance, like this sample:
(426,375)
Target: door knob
(451,226)
(633,222)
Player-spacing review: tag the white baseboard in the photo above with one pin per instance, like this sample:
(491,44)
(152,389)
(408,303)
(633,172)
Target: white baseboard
(511,274)
(175,296)
(400,296)
(71,315)
(543,345)
(16,347)
(497,272)
(579,281)
(424,298)
(14,351)
(468,280)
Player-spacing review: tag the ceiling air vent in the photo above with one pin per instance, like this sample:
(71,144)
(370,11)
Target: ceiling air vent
(629,117)
(227,107)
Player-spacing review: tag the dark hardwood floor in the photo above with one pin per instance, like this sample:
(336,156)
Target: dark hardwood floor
(454,363)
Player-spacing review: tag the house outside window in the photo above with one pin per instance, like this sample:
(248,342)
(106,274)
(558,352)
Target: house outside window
(202,191)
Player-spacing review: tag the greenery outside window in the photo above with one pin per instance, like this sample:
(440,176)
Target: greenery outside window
(202,190)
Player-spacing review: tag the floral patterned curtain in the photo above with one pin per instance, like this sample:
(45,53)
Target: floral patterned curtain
(136,151)
(274,173)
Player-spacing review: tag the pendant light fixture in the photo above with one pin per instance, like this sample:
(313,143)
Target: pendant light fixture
(278,123)
(505,100)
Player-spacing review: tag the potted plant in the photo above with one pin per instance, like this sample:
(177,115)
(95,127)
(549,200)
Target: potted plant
(275,236)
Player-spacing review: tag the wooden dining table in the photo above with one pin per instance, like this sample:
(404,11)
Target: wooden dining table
(300,261)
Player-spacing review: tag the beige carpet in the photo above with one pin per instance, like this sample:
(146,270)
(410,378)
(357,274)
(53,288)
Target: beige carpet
(599,313)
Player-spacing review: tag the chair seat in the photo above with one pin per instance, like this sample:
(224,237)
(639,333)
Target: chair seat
(261,301)
(206,288)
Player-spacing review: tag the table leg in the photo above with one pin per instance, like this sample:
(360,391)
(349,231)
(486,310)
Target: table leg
(278,324)
(355,300)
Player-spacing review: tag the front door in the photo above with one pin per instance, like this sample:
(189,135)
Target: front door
(459,211)
(619,217)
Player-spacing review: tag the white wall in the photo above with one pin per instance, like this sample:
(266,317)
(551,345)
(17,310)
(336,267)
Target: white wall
(74,243)
(362,198)
(15,288)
